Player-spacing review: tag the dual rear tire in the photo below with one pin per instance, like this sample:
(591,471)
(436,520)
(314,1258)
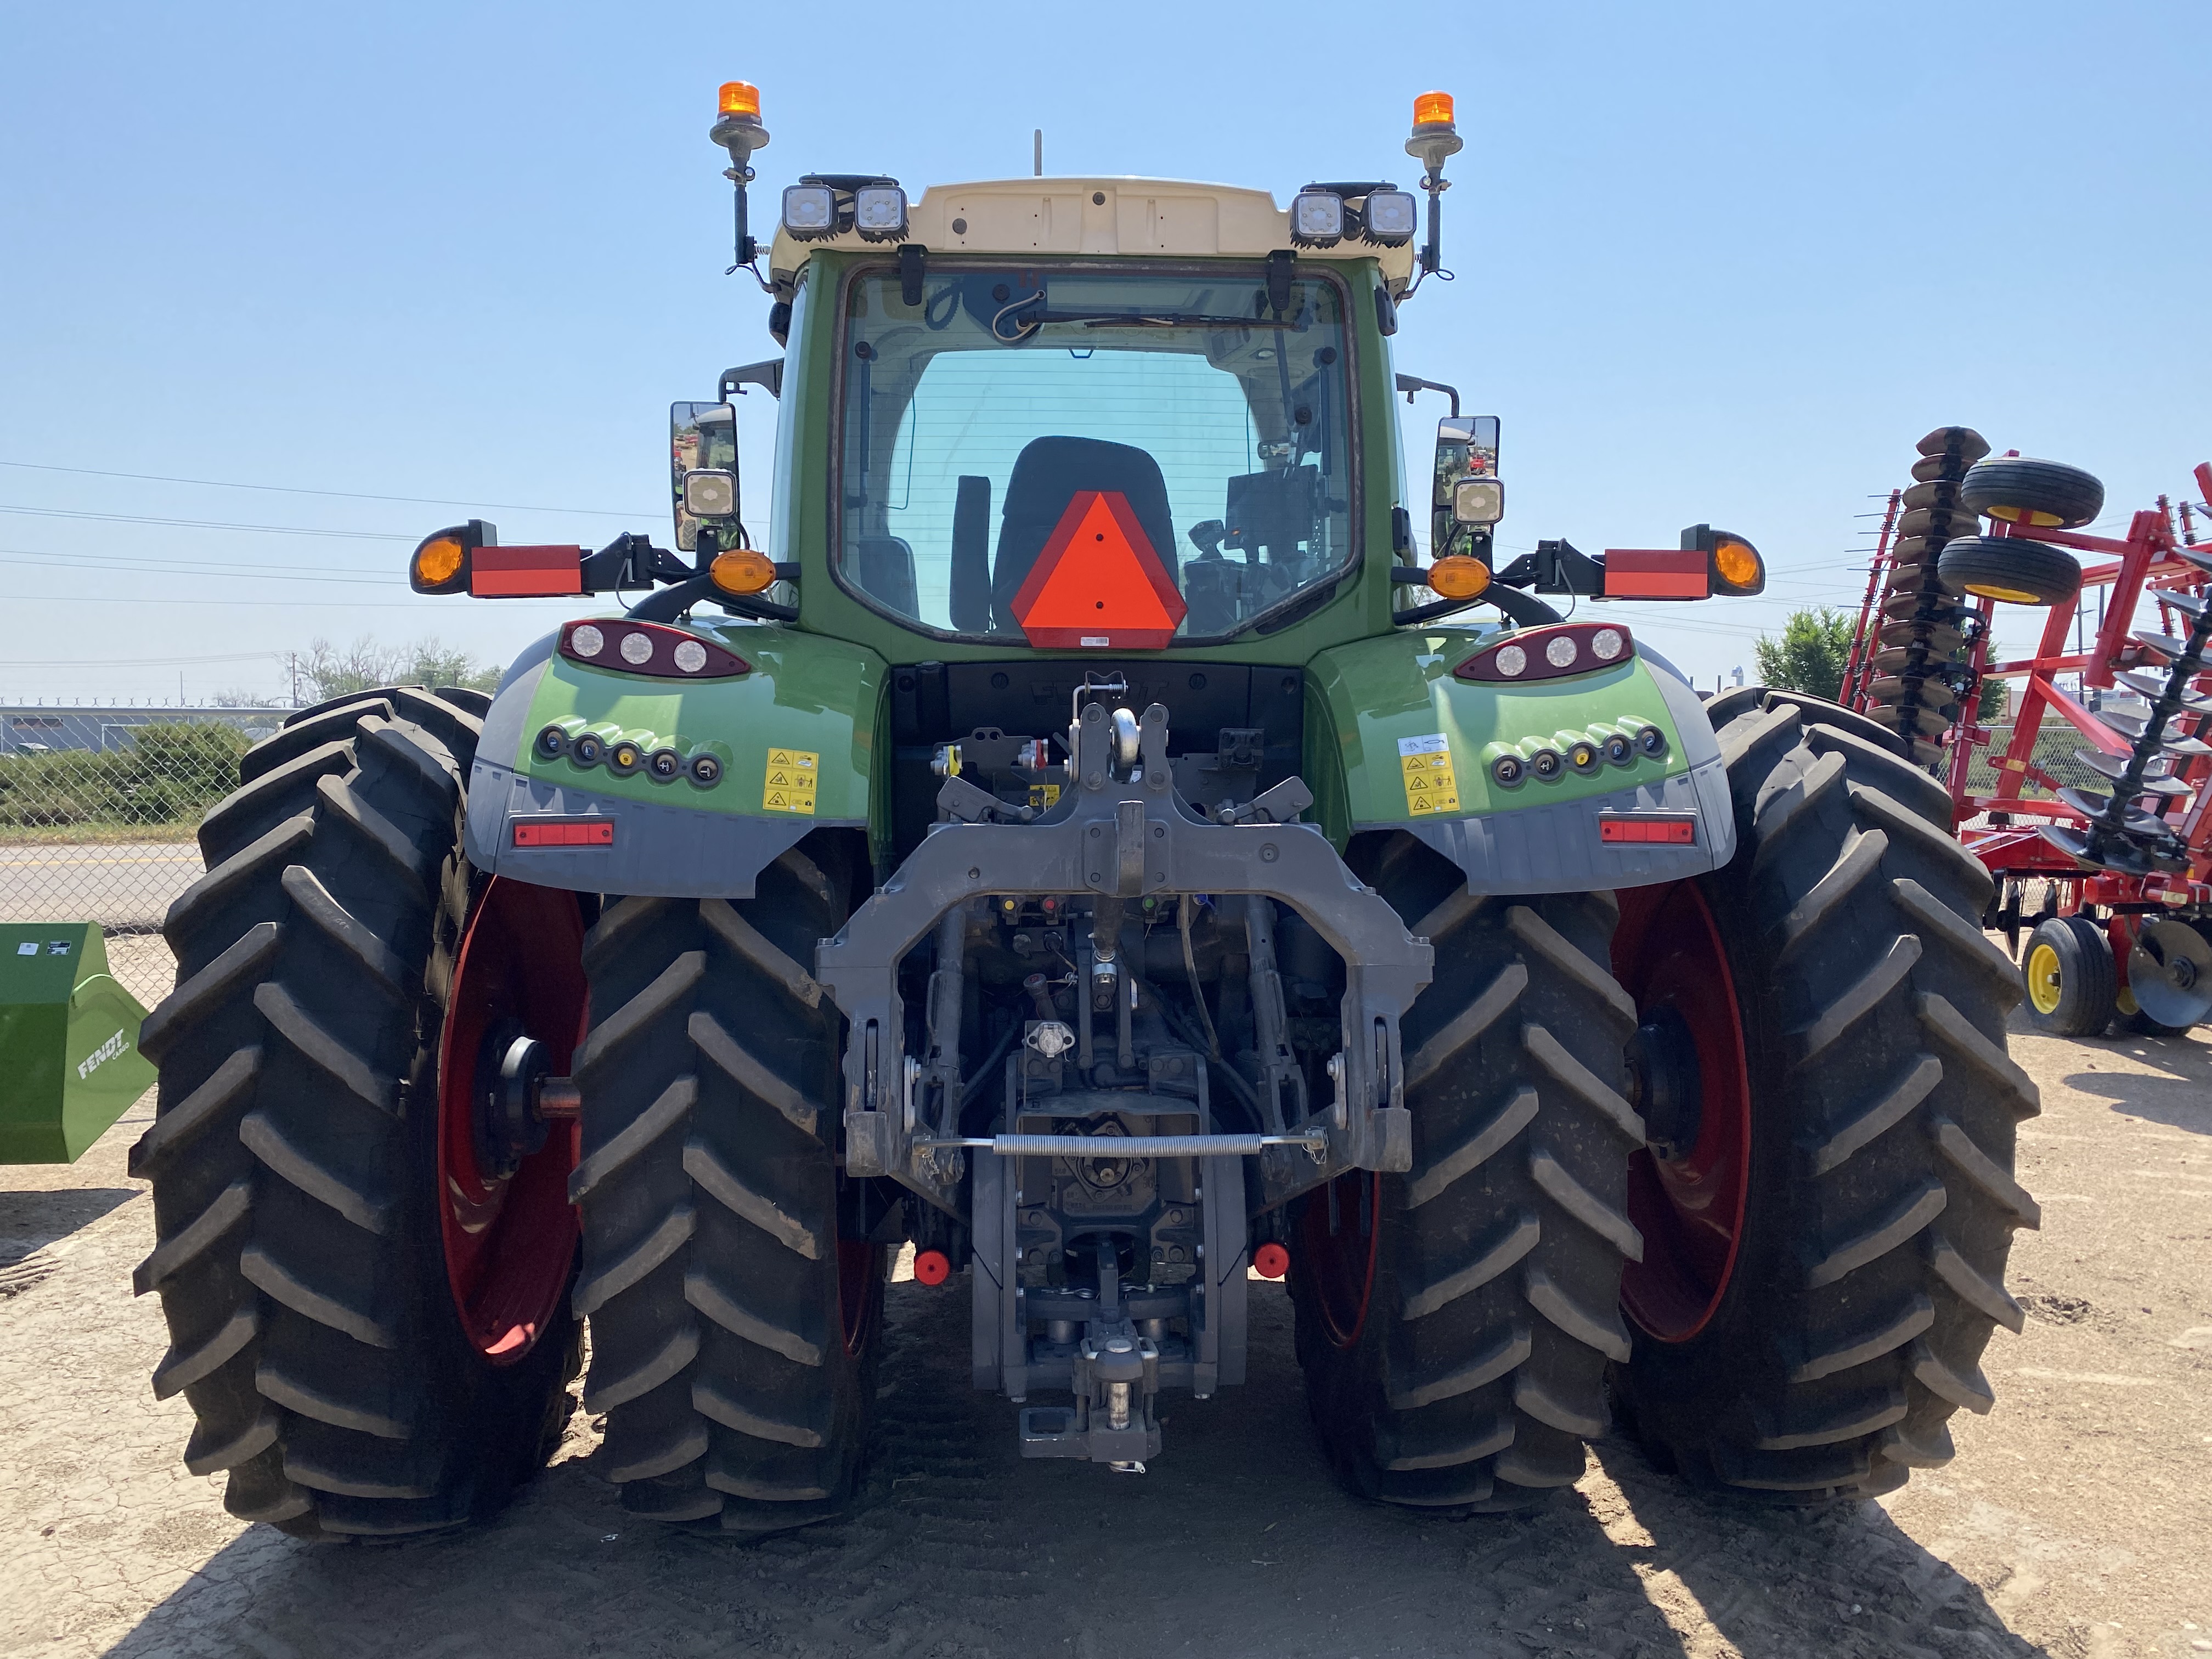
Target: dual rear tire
(733,1326)
(338,1371)
(1843,1324)
(1809,1252)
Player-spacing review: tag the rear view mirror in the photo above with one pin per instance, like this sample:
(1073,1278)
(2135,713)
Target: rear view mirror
(702,450)
(1468,491)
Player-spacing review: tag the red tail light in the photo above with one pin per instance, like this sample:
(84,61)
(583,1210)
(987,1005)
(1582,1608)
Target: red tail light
(538,831)
(635,648)
(1548,654)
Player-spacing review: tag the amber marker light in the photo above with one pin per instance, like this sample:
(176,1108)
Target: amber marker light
(1738,564)
(744,571)
(1456,576)
(441,560)
(438,561)
(742,98)
(1433,109)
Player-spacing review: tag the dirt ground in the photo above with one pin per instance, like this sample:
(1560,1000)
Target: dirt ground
(2073,1523)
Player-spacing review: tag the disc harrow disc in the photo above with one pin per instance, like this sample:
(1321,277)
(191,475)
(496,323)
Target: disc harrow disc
(2170,971)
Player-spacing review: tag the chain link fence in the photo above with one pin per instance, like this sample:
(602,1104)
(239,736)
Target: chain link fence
(2053,755)
(98,809)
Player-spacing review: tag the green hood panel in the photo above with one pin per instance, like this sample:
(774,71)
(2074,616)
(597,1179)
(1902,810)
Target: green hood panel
(811,698)
(1392,707)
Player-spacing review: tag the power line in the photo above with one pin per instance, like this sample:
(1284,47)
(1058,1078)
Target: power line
(144,568)
(302,490)
(209,523)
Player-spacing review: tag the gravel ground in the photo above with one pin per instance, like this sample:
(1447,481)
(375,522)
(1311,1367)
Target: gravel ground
(2073,1522)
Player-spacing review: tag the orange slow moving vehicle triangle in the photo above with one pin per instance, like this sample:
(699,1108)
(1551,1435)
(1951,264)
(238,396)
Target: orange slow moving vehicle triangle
(1099,582)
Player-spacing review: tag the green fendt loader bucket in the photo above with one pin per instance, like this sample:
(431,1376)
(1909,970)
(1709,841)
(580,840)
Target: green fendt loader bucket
(70,1064)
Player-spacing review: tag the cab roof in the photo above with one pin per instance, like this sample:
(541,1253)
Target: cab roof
(1076,217)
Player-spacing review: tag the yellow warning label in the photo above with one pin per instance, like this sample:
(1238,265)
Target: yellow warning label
(790,784)
(1431,786)
(1043,795)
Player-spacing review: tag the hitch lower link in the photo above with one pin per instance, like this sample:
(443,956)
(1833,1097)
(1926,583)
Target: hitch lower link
(1123,832)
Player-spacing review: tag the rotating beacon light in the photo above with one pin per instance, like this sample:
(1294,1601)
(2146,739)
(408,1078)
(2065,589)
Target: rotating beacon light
(737,130)
(1435,138)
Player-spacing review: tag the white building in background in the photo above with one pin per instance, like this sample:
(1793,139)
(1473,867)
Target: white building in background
(34,729)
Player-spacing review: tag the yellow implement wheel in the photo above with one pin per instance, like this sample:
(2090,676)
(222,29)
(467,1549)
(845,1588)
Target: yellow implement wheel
(2043,981)
(2072,981)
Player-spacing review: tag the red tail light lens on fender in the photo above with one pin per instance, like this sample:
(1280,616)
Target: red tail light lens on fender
(1547,653)
(564,832)
(1646,828)
(635,647)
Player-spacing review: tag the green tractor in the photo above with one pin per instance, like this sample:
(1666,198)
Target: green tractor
(1097,855)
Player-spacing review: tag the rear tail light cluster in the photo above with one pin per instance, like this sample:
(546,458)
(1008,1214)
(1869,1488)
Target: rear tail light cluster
(1547,653)
(1579,753)
(627,756)
(636,648)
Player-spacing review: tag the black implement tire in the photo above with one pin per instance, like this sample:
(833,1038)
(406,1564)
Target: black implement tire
(2023,491)
(1470,1372)
(1881,1107)
(713,1276)
(2067,973)
(294,1152)
(2017,571)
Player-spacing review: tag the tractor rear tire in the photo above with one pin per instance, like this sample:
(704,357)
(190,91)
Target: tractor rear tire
(1865,1273)
(1455,1326)
(733,1333)
(2015,570)
(2072,985)
(293,1153)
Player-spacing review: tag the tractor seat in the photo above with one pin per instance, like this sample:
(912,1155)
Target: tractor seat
(1048,475)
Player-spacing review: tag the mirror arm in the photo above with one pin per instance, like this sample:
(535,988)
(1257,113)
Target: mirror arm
(1411,384)
(767,374)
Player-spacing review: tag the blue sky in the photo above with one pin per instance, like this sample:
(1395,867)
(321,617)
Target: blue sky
(1714,262)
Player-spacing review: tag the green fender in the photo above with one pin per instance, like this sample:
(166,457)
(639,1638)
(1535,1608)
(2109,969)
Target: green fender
(795,739)
(1396,740)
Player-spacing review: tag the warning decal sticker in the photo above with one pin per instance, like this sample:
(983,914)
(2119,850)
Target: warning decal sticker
(790,784)
(1431,786)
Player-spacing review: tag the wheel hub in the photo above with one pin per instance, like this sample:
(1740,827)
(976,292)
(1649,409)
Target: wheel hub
(507,1138)
(518,1100)
(1687,1189)
(1665,1084)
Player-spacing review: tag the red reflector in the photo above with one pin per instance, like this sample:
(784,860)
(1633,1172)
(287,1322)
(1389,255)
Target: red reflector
(514,573)
(1632,573)
(1098,582)
(564,832)
(1271,1261)
(1619,829)
(932,1267)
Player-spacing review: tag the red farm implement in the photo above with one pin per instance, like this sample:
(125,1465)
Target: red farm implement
(2104,817)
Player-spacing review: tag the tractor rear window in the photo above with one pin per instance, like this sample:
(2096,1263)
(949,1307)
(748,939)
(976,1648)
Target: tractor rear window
(1199,436)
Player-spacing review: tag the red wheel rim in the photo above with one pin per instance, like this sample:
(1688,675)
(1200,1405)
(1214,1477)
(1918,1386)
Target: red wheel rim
(1337,1236)
(508,1242)
(1668,954)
